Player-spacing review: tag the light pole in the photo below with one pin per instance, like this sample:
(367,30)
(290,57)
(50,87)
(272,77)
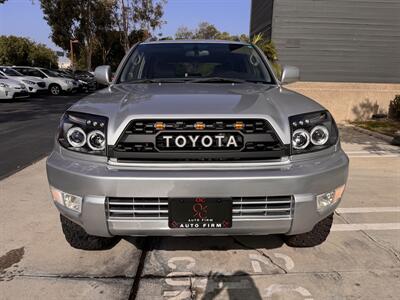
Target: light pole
(71,45)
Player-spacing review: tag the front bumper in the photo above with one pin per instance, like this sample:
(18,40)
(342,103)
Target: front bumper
(11,93)
(36,90)
(95,181)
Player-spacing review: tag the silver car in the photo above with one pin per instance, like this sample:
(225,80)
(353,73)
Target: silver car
(196,138)
(32,84)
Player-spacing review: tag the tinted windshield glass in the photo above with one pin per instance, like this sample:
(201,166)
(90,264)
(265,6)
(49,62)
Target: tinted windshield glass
(195,61)
(50,73)
(11,72)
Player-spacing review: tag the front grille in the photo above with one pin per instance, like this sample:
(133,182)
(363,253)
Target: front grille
(21,94)
(141,141)
(273,206)
(157,208)
(137,208)
(41,84)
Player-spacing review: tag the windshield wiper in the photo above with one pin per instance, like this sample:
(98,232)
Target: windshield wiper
(216,79)
(148,80)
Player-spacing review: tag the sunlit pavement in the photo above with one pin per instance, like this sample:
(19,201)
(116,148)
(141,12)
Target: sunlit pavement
(360,259)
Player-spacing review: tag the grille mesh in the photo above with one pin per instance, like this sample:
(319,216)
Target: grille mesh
(142,141)
(157,208)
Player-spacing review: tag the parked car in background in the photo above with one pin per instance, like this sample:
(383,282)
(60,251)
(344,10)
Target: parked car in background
(12,89)
(86,80)
(33,84)
(64,74)
(89,83)
(55,83)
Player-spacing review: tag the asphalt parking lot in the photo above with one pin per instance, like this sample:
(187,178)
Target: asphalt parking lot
(360,259)
(29,124)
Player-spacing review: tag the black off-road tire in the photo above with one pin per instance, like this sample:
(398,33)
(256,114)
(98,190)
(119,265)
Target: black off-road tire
(313,238)
(77,237)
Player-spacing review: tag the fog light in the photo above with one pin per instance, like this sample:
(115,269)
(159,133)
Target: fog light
(329,198)
(68,200)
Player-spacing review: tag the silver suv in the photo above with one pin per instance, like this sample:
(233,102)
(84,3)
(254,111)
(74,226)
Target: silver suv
(196,138)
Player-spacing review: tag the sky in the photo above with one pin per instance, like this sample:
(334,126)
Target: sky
(25,18)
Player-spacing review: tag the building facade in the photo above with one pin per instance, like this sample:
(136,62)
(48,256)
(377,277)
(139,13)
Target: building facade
(334,40)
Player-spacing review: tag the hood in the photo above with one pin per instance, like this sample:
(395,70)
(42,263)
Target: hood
(12,83)
(123,102)
(21,78)
(31,78)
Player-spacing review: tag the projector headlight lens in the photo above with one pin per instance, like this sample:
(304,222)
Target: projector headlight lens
(96,140)
(76,137)
(319,135)
(300,139)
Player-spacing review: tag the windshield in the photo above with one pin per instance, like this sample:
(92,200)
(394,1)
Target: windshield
(195,62)
(50,73)
(10,72)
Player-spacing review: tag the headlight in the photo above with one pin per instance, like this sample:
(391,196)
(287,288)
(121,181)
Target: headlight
(83,133)
(4,85)
(28,82)
(313,132)
(300,139)
(96,140)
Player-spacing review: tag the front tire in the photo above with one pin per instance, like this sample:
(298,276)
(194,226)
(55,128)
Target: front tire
(77,237)
(313,238)
(55,89)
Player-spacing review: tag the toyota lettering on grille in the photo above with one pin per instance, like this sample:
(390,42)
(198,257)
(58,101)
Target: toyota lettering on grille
(204,141)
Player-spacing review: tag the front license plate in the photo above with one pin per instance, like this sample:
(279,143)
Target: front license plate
(200,213)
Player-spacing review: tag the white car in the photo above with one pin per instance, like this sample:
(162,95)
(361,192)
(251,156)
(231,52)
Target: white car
(33,84)
(12,89)
(54,82)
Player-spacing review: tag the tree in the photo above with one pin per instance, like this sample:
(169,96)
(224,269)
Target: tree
(184,33)
(121,16)
(269,50)
(78,20)
(206,31)
(21,51)
(148,15)
(138,16)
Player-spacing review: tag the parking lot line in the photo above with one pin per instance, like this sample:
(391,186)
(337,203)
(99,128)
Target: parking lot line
(355,210)
(375,155)
(372,226)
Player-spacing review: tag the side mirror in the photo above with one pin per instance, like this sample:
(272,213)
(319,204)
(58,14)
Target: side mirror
(290,74)
(103,75)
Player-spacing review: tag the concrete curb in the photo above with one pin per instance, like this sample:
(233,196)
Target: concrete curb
(386,138)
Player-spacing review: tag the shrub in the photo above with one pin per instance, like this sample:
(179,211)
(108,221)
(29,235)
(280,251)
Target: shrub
(394,108)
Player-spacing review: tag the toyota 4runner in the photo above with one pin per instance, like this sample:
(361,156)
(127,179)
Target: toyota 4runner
(196,138)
